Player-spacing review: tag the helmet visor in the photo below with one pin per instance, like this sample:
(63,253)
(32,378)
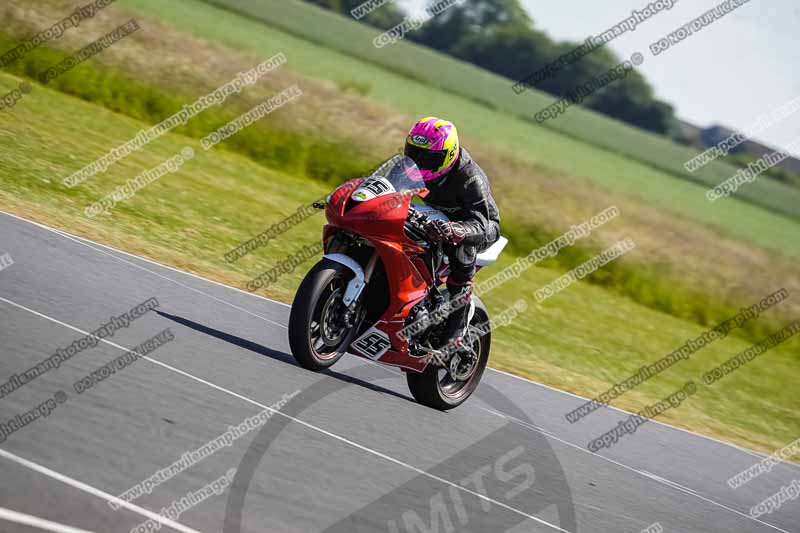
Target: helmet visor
(424,158)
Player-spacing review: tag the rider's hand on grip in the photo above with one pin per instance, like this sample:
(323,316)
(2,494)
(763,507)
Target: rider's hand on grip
(446,232)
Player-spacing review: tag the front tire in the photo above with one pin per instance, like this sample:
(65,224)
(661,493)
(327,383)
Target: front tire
(435,386)
(317,335)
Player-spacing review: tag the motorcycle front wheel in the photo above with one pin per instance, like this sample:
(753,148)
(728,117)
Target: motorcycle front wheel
(318,333)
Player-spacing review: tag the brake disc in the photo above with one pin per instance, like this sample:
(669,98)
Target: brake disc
(463,364)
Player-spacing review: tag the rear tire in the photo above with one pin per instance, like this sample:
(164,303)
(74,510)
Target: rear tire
(316,340)
(434,387)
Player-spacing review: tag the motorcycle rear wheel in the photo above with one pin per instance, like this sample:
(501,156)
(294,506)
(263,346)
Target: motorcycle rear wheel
(317,335)
(435,387)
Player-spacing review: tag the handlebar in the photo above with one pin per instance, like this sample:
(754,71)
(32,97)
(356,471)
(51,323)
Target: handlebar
(415,225)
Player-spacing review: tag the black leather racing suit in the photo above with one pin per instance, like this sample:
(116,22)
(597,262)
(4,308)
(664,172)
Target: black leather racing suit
(463,194)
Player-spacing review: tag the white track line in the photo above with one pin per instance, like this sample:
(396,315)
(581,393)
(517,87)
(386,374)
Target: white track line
(83,241)
(94,492)
(668,482)
(140,267)
(646,474)
(40,523)
(274,411)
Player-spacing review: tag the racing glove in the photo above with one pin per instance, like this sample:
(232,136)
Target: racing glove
(445,232)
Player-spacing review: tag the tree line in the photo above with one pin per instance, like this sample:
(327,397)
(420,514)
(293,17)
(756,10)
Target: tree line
(500,36)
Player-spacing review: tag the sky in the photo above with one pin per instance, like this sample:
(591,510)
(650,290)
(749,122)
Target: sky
(739,68)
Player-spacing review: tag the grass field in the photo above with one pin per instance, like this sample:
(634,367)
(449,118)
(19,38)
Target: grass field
(501,128)
(581,340)
(456,77)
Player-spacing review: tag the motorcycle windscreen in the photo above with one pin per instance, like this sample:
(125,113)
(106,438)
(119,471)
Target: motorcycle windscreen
(397,175)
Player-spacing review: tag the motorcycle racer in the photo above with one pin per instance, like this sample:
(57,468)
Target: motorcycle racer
(460,189)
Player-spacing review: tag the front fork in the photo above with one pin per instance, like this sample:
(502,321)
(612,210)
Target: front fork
(361,277)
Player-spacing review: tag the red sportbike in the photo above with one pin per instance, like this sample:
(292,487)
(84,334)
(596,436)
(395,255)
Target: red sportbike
(375,292)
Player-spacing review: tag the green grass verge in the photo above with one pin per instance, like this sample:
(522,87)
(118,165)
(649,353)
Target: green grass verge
(582,340)
(495,125)
(338,32)
(119,90)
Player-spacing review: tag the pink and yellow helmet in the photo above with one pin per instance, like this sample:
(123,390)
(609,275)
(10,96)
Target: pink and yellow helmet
(433,145)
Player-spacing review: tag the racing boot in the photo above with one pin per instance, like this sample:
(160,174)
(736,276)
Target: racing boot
(455,325)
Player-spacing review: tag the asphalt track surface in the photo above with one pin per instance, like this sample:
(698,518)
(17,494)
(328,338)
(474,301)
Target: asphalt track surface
(350,452)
